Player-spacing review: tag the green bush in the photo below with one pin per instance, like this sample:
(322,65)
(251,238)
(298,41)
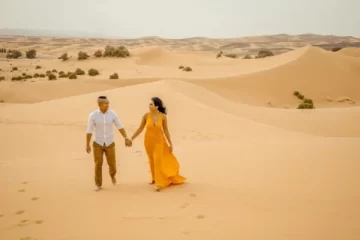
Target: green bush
(306,106)
(79,71)
(52,77)
(83,55)
(121,51)
(13,54)
(17,78)
(98,53)
(31,54)
(64,57)
(93,72)
(264,53)
(114,76)
(73,76)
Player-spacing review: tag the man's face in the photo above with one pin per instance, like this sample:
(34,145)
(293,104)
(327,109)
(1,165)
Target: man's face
(104,105)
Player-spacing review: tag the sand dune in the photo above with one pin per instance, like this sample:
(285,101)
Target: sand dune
(353,52)
(320,75)
(255,169)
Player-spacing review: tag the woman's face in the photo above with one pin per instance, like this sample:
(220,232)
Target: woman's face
(152,106)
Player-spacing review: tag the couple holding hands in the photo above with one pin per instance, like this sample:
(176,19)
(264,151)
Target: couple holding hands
(163,164)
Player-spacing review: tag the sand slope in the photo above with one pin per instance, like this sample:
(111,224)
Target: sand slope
(318,74)
(249,176)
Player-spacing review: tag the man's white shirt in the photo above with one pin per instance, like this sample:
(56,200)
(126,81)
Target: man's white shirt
(102,123)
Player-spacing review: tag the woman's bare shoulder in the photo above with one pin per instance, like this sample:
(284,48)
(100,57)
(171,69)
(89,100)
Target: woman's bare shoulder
(163,116)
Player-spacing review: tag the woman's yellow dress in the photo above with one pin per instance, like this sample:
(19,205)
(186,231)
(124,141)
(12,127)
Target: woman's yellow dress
(163,164)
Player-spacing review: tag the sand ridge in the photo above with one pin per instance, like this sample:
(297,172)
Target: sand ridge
(255,170)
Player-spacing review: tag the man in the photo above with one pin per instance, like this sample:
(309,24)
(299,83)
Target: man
(101,121)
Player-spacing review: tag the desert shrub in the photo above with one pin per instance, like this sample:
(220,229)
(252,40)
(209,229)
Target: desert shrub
(120,51)
(93,72)
(219,55)
(42,75)
(54,71)
(335,49)
(38,67)
(31,54)
(264,53)
(296,93)
(309,101)
(181,67)
(79,71)
(48,73)
(231,55)
(17,78)
(2,78)
(306,106)
(61,72)
(28,76)
(187,69)
(83,55)
(36,75)
(98,53)
(63,75)
(301,97)
(52,76)
(247,56)
(24,74)
(73,76)
(64,57)
(15,69)
(13,54)
(114,76)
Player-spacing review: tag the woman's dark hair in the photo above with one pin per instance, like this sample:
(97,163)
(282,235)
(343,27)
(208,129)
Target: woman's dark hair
(159,104)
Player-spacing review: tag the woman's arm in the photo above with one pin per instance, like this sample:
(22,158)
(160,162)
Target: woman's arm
(166,130)
(140,129)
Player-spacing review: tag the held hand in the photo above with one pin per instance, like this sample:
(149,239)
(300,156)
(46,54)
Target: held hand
(128,142)
(88,149)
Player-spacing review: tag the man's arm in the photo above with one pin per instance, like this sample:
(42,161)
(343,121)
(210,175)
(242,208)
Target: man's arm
(89,130)
(120,126)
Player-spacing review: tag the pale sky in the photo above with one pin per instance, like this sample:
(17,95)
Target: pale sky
(184,18)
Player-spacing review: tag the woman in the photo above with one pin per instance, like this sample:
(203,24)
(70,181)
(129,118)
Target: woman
(163,164)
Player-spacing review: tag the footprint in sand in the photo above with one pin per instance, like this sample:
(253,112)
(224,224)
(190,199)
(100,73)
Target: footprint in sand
(34,198)
(185,205)
(1,215)
(19,212)
(39,222)
(21,190)
(192,195)
(23,223)
(200,216)
(25,183)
